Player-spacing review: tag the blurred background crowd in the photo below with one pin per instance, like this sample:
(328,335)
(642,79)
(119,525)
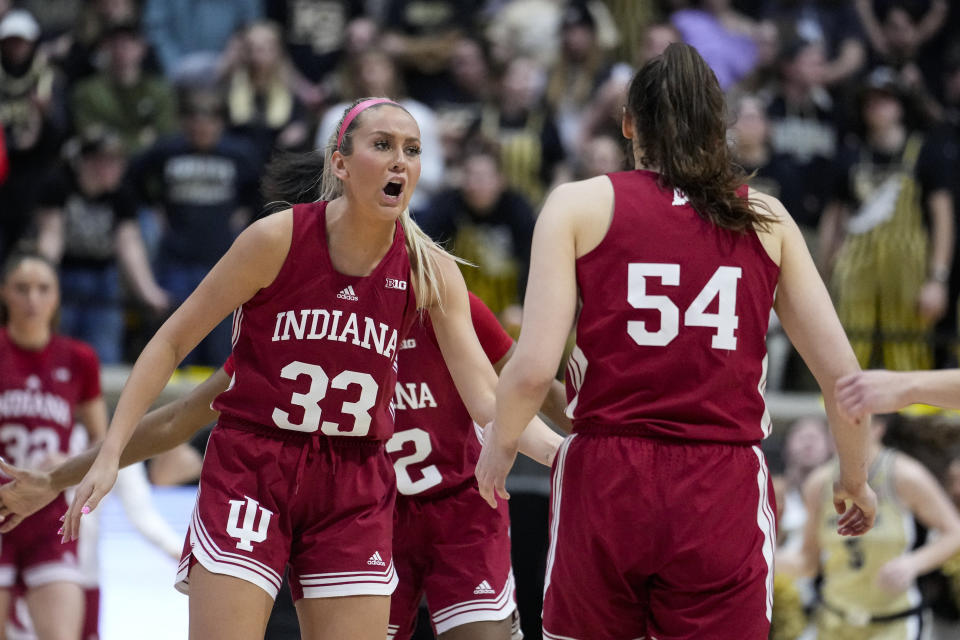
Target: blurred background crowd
(135,134)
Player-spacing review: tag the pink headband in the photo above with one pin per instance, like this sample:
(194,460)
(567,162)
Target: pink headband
(356,111)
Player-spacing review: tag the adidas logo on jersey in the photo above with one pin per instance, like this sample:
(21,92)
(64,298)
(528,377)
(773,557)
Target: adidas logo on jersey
(348,294)
(483,588)
(375,559)
(399,285)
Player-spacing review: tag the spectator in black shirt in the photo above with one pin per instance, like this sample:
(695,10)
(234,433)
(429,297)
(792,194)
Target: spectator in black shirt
(487,224)
(421,34)
(33,115)
(87,223)
(204,183)
(531,152)
(317,33)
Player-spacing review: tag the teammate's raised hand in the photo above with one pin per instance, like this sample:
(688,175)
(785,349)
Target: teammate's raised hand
(496,460)
(857,518)
(875,391)
(96,484)
(29,492)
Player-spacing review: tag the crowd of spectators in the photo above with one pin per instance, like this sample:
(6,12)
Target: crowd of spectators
(135,132)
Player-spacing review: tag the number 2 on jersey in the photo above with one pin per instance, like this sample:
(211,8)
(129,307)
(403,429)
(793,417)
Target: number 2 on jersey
(310,401)
(722,285)
(430,475)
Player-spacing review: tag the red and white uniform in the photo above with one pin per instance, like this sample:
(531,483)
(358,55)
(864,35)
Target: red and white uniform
(447,542)
(666,396)
(295,471)
(39,391)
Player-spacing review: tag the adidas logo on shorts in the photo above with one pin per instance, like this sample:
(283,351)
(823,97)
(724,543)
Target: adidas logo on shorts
(375,559)
(483,587)
(348,294)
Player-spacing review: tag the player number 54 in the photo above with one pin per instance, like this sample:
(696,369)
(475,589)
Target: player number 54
(722,285)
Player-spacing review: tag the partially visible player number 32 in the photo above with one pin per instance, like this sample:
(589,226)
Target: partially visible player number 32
(722,285)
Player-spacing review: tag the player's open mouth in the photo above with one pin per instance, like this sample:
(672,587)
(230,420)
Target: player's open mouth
(393,189)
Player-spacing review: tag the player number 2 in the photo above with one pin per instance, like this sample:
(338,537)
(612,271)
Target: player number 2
(310,401)
(430,475)
(722,285)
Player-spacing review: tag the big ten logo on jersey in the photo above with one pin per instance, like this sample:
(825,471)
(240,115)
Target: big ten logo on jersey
(679,198)
(250,531)
(336,326)
(408,343)
(399,285)
(414,395)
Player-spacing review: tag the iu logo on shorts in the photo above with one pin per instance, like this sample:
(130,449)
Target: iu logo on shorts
(247,533)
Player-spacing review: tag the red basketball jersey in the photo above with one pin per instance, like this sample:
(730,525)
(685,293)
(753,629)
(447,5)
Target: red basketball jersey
(38,393)
(317,350)
(435,446)
(671,333)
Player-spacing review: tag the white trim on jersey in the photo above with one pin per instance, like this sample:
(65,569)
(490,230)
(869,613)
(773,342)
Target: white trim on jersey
(577,373)
(767,523)
(479,610)
(766,422)
(42,574)
(553,636)
(237,323)
(8,577)
(349,583)
(556,493)
(392,631)
(215,560)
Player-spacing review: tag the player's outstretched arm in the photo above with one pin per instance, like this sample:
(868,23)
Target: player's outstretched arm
(472,372)
(549,310)
(880,391)
(807,314)
(160,430)
(251,263)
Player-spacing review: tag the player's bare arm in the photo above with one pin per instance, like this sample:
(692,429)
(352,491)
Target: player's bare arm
(554,405)
(549,310)
(251,264)
(469,367)
(922,495)
(806,561)
(881,391)
(160,430)
(807,314)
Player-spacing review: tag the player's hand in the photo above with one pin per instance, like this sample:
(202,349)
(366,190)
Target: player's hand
(897,575)
(29,492)
(496,460)
(857,518)
(96,484)
(876,391)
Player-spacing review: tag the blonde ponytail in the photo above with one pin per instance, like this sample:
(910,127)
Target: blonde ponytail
(425,256)
(424,253)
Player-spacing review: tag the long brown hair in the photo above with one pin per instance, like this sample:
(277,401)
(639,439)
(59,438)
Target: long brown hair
(680,117)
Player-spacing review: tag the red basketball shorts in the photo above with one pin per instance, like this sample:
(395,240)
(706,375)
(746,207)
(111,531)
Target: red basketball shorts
(666,540)
(456,550)
(322,505)
(33,553)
